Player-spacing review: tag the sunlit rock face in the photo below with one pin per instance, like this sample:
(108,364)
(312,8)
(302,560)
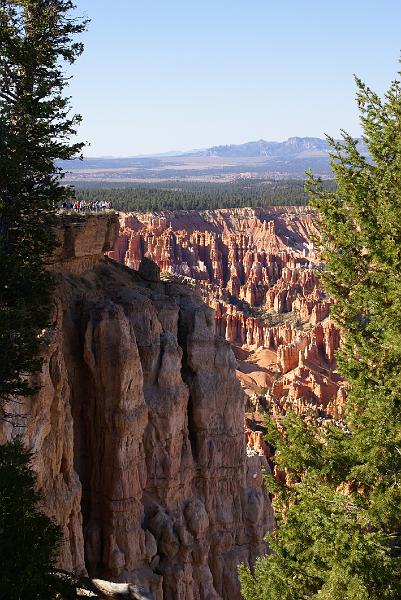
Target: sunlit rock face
(137,430)
(259,271)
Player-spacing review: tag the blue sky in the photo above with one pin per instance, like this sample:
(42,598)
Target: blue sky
(173,75)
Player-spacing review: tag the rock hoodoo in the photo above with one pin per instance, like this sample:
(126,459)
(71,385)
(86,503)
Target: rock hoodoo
(137,430)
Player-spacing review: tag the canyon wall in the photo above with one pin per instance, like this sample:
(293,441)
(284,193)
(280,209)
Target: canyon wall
(137,431)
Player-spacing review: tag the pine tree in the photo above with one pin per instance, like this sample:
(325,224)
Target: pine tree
(339,514)
(36,42)
(29,540)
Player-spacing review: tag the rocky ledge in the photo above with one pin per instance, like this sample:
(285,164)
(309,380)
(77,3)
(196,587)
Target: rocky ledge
(137,431)
(83,240)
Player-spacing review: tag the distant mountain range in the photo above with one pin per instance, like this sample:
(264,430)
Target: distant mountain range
(290,148)
(259,159)
(294,147)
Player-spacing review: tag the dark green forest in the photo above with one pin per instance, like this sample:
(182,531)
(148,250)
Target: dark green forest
(178,195)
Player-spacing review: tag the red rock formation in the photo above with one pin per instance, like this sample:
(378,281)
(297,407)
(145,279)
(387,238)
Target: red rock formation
(137,431)
(256,444)
(235,249)
(252,265)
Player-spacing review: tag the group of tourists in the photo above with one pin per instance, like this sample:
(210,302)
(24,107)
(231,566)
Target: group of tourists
(81,206)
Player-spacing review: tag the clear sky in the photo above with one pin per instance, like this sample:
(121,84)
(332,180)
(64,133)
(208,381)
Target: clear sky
(160,75)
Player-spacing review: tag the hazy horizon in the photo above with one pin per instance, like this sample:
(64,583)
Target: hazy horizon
(193,149)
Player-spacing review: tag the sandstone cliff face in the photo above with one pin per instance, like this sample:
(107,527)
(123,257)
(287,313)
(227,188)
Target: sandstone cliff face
(138,430)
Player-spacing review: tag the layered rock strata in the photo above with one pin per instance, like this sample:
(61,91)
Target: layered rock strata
(259,271)
(137,430)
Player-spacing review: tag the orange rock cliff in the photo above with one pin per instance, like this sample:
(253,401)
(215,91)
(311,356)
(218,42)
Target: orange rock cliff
(137,430)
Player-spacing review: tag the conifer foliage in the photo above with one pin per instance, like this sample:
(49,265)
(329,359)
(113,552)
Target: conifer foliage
(29,541)
(36,44)
(339,513)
